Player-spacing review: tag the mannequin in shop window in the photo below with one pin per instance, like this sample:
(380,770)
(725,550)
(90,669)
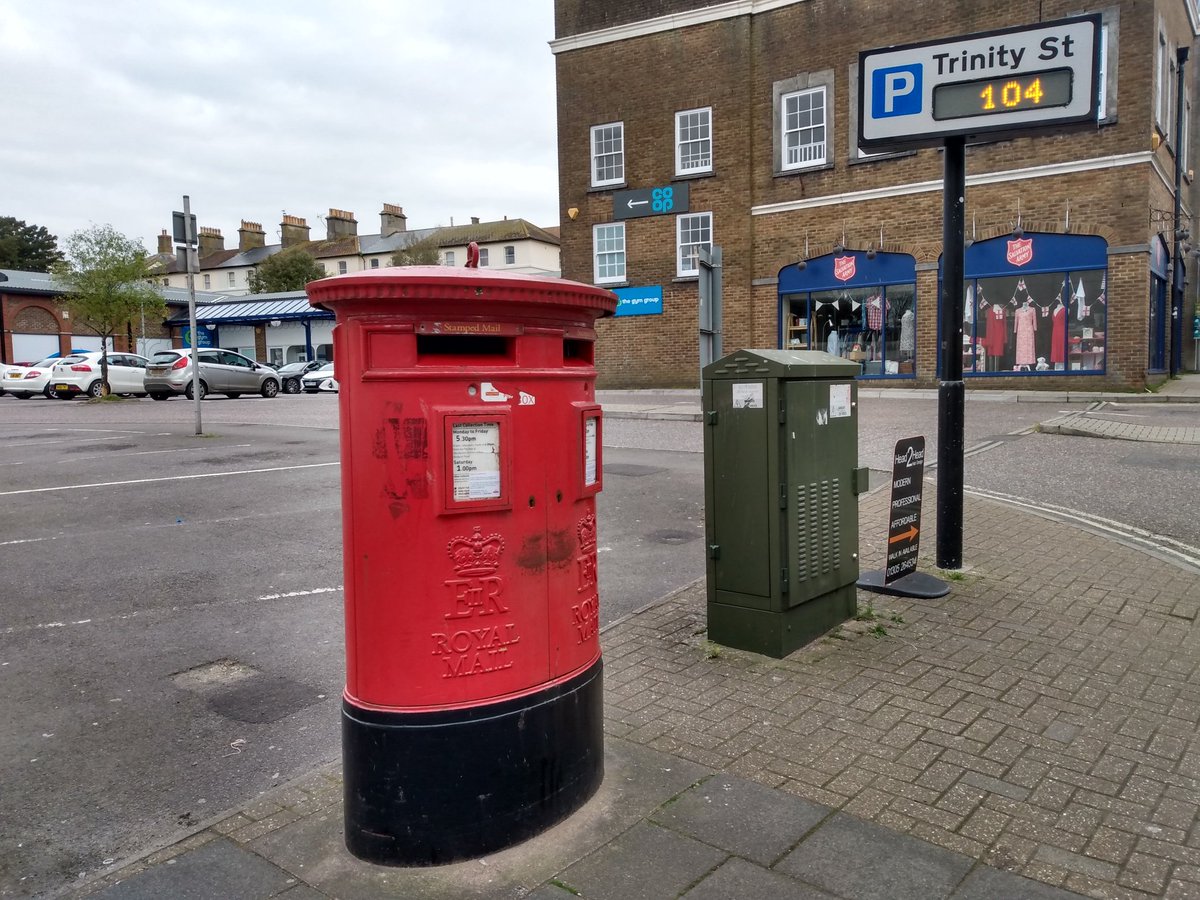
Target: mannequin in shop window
(833,341)
(908,335)
(1058,330)
(877,311)
(1025,327)
(995,334)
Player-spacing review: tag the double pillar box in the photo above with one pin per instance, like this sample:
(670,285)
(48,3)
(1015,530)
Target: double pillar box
(471,459)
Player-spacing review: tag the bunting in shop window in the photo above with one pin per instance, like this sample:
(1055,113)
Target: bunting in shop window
(1081,307)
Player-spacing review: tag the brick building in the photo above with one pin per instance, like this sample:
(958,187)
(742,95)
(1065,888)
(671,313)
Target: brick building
(34,322)
(747,112)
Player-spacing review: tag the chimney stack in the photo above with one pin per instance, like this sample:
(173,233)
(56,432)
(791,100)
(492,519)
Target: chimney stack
(474,220)
(392,220)
(210,241)
(250,236)
(340,224)
(166,246)
(293,230)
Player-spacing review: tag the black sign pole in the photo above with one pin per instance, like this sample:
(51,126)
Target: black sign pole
(951,391)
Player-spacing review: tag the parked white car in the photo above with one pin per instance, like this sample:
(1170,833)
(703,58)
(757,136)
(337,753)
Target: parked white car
(319,380)
(79,374)
(25,381)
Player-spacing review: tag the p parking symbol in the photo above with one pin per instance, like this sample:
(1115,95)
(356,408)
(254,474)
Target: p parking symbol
(896,91)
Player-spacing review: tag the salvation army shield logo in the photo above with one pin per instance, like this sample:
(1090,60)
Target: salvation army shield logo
(843,267)
(1020,251)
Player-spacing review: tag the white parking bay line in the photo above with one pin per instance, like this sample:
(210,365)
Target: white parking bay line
(149,452)
(143,614)
(76,487)
(66,441)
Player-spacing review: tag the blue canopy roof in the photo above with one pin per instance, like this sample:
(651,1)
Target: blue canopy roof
(283,307)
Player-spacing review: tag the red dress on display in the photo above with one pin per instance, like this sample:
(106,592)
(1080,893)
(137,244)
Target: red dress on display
(1058,352)
(995,335)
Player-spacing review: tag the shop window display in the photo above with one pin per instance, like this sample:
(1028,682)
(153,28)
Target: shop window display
(1033,321)
(859,307)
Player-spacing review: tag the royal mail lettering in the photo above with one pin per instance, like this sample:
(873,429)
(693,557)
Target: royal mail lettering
(475,651)
(587,618)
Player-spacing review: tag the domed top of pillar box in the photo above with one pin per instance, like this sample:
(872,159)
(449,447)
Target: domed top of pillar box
(443,290)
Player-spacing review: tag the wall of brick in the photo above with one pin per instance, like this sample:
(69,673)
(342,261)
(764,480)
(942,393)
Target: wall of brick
(732,65)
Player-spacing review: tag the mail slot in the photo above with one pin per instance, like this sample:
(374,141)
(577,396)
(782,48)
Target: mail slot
(471,459)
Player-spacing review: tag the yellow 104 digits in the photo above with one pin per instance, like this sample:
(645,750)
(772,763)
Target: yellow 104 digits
(1012,94)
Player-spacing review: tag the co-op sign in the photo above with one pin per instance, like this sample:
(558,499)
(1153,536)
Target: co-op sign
(996,83)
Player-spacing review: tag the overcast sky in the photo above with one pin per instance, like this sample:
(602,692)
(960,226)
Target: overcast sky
(111,111)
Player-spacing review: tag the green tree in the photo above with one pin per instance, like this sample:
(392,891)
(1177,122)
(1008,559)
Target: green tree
(287,270)
(419,253)
(28,248)
(104,274)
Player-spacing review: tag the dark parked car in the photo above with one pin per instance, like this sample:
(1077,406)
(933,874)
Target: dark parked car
(290,374)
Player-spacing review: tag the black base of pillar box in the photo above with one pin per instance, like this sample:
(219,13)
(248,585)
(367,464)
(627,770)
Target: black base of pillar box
(424,789)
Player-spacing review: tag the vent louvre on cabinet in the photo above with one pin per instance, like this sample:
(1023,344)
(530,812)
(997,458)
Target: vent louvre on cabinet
(819,530)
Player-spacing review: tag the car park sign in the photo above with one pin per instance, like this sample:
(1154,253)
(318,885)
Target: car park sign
(993,84)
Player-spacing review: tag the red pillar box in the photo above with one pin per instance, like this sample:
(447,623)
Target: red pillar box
(470,443)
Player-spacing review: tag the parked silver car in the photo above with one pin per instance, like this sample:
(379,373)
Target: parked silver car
(221,372)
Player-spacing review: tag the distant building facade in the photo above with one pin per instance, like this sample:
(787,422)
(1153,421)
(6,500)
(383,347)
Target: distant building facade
(514,245)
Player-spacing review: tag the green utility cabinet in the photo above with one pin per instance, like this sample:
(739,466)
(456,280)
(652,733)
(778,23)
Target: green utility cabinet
(781,486)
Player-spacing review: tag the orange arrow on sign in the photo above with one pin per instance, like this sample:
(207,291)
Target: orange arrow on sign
(909,535)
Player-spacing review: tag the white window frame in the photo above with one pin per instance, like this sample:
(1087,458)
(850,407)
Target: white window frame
(1162,87)
(609,231)
(375,262)
(510,255)
(614,153)
(343,267)
(704,140)
(449,260)
(233,279)
(784,131)
(483,257)
(685,251)
(207,282)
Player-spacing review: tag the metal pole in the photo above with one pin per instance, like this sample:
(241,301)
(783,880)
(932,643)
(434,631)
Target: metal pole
(1177,273)
(951,391)
(189,238)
